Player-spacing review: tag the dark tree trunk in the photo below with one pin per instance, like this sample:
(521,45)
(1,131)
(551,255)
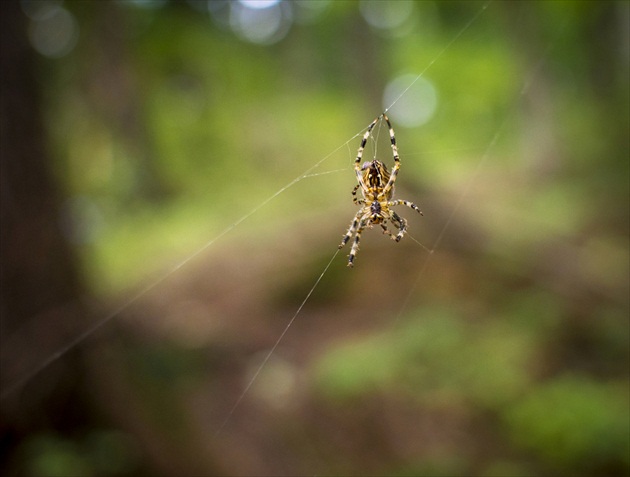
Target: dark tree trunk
(39,284)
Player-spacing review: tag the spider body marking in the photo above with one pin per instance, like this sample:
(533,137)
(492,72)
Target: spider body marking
(377,188)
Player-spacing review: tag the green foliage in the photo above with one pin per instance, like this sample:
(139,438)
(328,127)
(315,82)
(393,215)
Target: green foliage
(101,452)
(169,129)
(437,357)
(575,422)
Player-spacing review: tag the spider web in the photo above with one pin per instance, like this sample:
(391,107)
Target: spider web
(428,247)
(10,388)
(308,173)
(483,159)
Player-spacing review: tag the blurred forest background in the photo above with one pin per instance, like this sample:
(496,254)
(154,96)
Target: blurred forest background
(176,175)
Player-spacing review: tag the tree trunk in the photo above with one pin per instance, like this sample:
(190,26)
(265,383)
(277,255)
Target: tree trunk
(39,282)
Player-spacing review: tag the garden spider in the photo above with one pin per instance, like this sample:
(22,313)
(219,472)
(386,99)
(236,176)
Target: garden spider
(377,187)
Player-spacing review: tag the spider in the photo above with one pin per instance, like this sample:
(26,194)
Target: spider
(377,187)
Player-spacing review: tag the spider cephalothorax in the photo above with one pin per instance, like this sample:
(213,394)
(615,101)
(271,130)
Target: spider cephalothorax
(377,188)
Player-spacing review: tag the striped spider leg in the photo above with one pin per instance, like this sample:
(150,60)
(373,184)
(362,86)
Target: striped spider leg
(376,184)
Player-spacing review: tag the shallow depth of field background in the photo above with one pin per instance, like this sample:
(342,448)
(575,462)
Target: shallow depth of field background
(171,135)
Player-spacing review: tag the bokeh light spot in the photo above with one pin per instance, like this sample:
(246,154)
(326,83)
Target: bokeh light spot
(386,15)
(412,101)
(54,34)
(265,23)
(258,4)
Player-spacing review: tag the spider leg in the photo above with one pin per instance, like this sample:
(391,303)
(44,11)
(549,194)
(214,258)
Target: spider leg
(387,231)
(357,161)
(355,199)
(401,223)
(392,178)
(405,202)
(355,244)
(351,229)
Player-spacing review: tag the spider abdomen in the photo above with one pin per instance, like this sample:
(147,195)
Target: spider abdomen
(375,174)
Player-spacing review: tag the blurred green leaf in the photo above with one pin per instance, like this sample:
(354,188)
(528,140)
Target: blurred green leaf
(435,357)
(575,422)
